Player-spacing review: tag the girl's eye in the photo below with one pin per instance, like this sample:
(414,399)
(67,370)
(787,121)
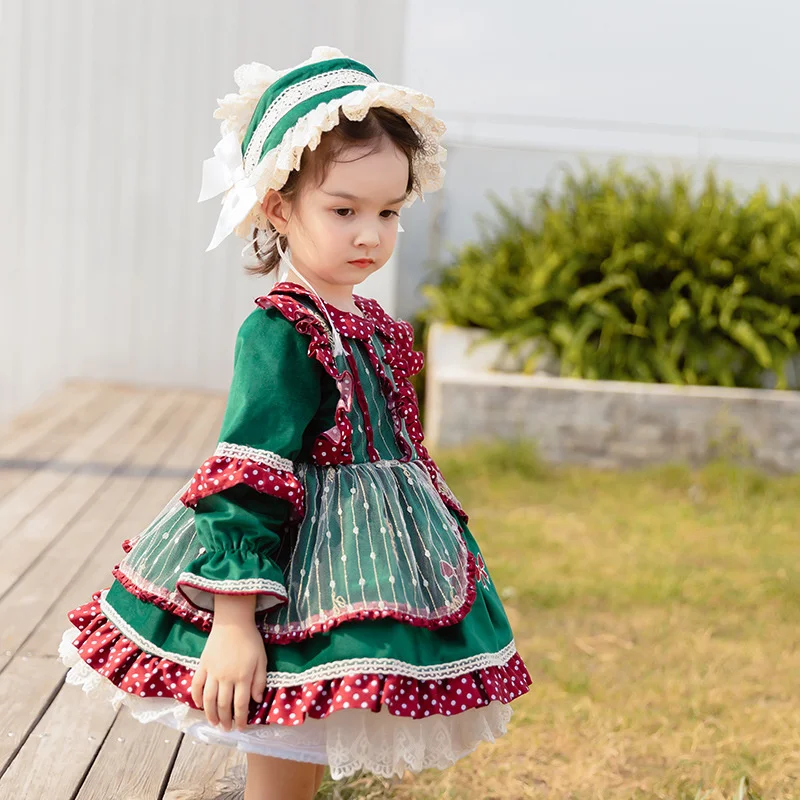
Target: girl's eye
(345,212)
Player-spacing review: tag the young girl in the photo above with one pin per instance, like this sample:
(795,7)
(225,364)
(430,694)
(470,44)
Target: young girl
(313,595)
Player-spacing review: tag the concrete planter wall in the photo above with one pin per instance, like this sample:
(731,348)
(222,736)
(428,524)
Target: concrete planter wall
(602,423)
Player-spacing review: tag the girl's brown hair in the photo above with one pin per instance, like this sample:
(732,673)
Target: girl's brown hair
(379,123)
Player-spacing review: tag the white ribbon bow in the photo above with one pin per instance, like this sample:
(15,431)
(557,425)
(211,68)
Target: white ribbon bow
(225,172)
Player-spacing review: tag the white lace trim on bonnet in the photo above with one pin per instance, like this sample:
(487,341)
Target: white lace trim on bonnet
(246,188)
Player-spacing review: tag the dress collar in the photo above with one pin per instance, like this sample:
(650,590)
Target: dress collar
(346,322)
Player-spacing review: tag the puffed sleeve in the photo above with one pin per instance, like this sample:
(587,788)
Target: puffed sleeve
(244,493)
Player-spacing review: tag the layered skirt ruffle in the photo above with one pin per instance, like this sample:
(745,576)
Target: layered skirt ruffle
(379,722)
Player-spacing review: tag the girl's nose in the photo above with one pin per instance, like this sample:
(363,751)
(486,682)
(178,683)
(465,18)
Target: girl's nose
(368,237)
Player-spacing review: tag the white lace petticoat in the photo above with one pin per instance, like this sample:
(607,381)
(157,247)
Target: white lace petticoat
(348,740)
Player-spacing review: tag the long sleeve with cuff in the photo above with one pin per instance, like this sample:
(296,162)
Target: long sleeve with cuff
(244,493)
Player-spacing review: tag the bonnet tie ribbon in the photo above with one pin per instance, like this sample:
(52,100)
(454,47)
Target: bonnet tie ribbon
(225,172)
(338,349)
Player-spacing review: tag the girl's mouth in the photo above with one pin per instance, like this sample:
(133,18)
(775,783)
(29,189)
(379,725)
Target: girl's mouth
(362,262)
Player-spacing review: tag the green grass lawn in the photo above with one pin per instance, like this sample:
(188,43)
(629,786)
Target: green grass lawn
(657,612)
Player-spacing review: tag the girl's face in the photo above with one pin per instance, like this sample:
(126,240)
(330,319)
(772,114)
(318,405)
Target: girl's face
(345,229)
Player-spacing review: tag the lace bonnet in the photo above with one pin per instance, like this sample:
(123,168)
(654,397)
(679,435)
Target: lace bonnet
(276,115)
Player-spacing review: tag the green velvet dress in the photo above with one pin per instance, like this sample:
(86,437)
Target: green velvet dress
(387,644)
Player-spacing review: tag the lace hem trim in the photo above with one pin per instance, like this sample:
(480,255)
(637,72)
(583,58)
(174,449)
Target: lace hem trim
(265,457)
(270,593)
(394,666)
(230,586)
(334,669)
(283,633)
(348,740)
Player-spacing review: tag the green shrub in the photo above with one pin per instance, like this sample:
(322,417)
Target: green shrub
(637,277)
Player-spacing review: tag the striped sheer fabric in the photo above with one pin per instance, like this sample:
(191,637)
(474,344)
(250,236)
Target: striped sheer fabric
(376,537)
(159,554)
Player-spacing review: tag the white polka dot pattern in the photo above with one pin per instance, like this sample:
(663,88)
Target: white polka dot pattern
(113,656)
(223,472)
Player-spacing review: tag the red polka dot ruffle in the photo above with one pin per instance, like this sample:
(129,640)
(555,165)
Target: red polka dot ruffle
(102,646)
(222,472)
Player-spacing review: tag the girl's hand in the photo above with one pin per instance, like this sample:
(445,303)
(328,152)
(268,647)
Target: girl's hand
(233,668)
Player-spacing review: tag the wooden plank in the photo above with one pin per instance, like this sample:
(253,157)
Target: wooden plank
(15,507)
(32,436)
(30,540)
(132,762)
(53,764)
(29,429)
(42,645)
(96,443)
(23,543)
(200,769)
(27,688)
(28,600)
(30,680)
(180,448)
(145,500)
(67,429)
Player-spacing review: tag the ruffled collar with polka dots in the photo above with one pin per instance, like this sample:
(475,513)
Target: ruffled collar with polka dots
(347,323)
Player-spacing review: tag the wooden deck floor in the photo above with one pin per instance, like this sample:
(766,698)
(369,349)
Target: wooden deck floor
(85,468)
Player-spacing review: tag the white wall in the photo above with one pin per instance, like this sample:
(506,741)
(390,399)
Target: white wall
(669,77)
(106,119)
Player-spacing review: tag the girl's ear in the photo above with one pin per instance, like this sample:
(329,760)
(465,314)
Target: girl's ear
(277,210)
